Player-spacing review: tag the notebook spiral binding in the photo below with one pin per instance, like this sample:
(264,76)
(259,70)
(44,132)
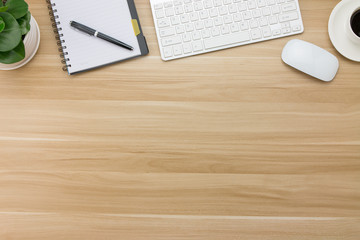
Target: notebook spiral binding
(56,25)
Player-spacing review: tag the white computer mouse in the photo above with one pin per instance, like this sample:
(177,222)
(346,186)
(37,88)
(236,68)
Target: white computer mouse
(310,59)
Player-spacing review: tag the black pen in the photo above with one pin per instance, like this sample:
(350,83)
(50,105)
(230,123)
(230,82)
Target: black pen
(97,34)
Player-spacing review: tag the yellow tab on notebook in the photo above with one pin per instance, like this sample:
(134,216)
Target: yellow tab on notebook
(135,26)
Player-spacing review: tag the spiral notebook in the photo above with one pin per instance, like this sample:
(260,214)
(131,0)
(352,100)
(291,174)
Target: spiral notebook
(116,18)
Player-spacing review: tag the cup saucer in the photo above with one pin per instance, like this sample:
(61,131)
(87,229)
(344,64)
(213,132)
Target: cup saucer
(337,30)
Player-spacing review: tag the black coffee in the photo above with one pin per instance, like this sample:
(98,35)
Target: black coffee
(355,22)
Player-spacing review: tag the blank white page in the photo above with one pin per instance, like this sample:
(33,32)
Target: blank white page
(111,17)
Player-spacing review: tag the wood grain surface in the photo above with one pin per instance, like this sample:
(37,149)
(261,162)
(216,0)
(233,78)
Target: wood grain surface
(227,145)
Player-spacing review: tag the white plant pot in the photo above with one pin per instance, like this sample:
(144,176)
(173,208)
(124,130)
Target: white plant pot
(31,42)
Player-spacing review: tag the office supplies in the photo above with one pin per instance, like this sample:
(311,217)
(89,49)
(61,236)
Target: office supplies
(95,33)
(341,35)
(115,18)
(310,59)
(189,27)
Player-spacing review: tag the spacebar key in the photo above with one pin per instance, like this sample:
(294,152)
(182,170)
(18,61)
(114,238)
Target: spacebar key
(226,40)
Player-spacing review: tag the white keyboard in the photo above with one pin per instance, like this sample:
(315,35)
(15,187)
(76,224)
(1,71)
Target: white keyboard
(190,27)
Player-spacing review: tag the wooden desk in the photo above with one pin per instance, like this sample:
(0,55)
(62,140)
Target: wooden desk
(226,145)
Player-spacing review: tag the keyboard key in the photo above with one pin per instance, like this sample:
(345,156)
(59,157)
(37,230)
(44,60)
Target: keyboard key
(273,20)
(158,6)
(197,46)
(254,23)
(225,29)
(261,3)
(204,14)
(286,30)
(242,6)
(213,12)
(237,17)
(247,15)
(263,22)
(223,10)
(234,27)
(198,6)
(218,21)
(194,16)
(288,17)
(226,40)
(187,48)
(199,25)
(266,11)
(208,23)
(296,28)
(275,9)
(188,8)
(184,18)
(187,37)
(177,50)
(167,32)
(168,4)
(208,4)
(206,33)
(288,7)
(196,35)
(276,32)
(167,52)
(179,10)
(266,31)
(160,14)
(244,26)
(215,31)
(251,4)
(256,34)
(227,19)
(171,41)
(189,27)
(177,2)
(165,22)
(175,20)
(169,12)
(256,13)
(217,3)
(180,29)
(232,8)
(285,25)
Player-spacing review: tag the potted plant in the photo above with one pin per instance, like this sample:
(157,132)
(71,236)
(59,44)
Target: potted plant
(19,34)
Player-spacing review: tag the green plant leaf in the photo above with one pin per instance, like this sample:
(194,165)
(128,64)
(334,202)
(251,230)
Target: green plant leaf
(24,23)
(13,56)
(17,8)
(3,8)
(1,3)
(2,24)
(11,35)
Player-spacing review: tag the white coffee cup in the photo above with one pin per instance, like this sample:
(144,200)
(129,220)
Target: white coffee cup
(349,30)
